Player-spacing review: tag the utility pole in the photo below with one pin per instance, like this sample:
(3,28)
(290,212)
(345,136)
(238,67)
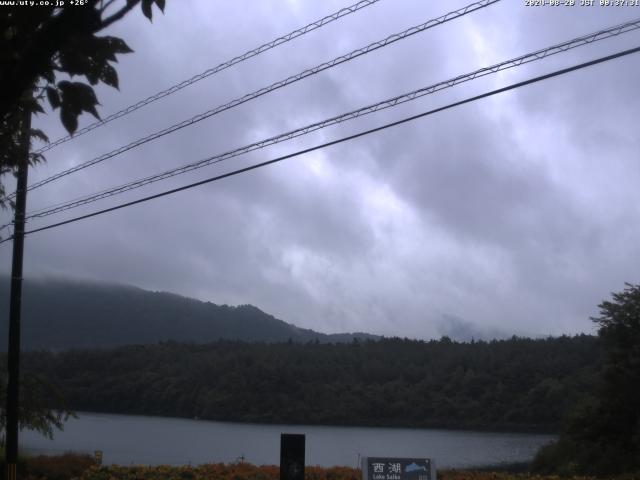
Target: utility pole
(13,357)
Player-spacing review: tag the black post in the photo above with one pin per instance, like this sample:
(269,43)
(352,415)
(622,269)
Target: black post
(292,456)
(13,357)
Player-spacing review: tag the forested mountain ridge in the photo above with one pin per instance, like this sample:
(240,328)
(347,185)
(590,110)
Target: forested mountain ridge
(516,384)
(62,314)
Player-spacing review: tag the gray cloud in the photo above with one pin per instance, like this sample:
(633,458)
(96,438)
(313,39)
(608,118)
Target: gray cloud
(513,215)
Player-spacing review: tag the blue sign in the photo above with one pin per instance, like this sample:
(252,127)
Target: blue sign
(384,468)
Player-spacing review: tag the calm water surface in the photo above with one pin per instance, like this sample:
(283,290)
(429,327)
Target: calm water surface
(126,439)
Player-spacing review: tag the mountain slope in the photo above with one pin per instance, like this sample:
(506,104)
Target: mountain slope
(61,314)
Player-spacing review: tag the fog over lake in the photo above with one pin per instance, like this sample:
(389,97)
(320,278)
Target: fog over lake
(126,439)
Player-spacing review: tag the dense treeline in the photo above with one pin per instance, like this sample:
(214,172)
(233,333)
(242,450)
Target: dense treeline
(516,384)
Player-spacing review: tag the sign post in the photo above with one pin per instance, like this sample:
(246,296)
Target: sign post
(385,468)
(292,456)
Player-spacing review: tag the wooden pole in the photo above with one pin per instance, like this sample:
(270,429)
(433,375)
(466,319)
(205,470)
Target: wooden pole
(13,356)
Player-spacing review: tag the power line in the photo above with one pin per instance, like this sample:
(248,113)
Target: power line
(282,83)
(388,103)
(341,140)
(207,73)
(8,228)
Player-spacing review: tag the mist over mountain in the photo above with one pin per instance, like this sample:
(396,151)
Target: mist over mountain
(58,314)
(462,330)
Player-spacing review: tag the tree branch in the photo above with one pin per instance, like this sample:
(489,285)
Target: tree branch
(48,40)
(119,14)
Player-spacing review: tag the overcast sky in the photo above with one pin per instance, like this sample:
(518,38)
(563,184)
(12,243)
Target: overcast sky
(516,214)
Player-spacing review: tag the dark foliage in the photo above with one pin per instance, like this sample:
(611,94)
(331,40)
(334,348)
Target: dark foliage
(61,467)
(603,435)
(517,384)
(36,394)
(39,43)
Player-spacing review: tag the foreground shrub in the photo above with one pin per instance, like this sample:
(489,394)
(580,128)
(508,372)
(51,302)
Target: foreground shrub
(43,467)
(252,472)
(59,467)
(82,467)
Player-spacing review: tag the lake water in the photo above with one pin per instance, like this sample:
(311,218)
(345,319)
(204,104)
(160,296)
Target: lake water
(126,439)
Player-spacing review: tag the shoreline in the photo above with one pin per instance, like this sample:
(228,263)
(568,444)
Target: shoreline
(271,423)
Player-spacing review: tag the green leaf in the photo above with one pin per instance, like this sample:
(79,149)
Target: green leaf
(37,108)
(39,134)
(54,97)
(35,158)
(117,45)
(146,8)
(109,76)
(69,119)
(63,85)
(92,110)
(75,57)
(93,75)
(76,98)
(49,76)
(87,99)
